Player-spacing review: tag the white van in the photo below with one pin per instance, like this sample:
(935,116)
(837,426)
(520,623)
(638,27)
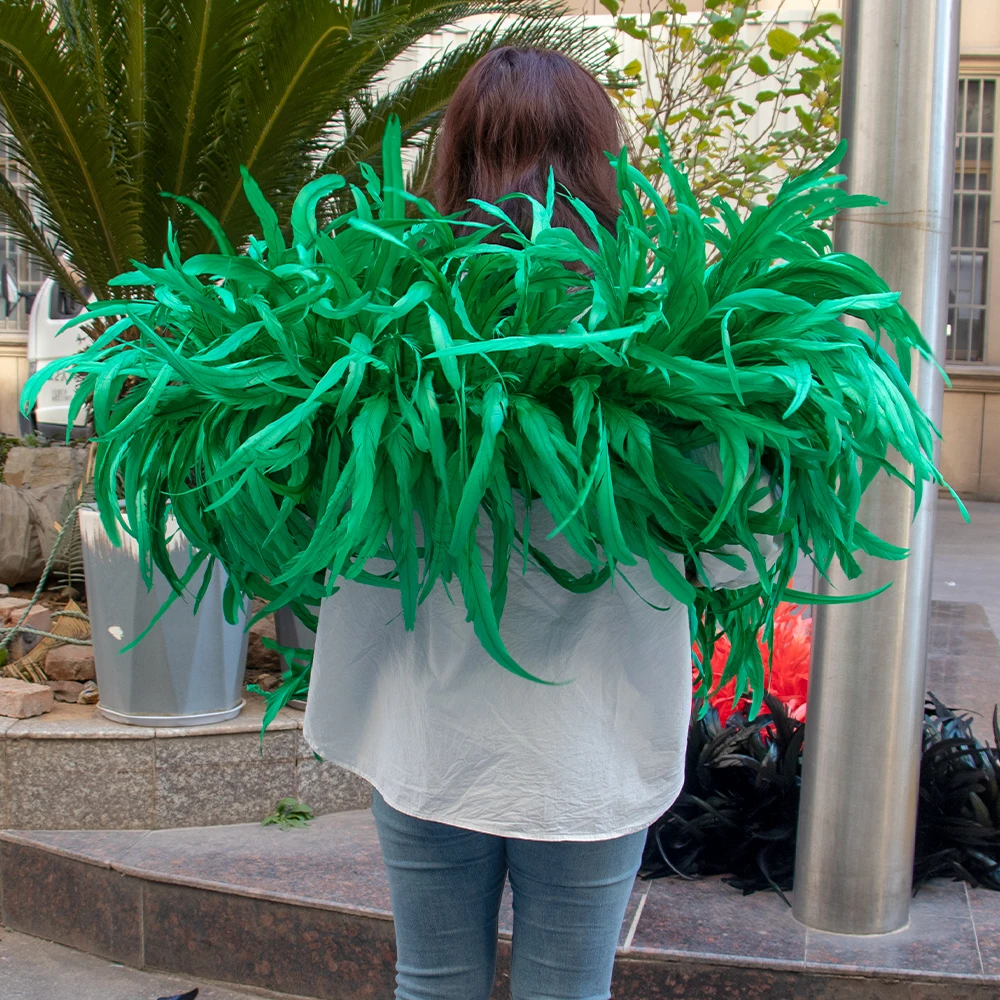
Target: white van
(49,312)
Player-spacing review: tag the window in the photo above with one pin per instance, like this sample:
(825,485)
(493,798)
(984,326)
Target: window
(975,118)
(29,273)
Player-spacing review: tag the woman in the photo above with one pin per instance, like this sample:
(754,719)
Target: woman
(479,774)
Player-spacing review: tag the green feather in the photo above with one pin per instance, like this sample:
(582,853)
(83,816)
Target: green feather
(301,409)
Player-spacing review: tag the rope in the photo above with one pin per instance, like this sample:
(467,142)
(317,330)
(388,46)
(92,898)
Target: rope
(68,639)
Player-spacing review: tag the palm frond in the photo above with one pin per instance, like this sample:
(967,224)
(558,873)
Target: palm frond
(66,142)
(114,103)
(309,62)
(197,48)
(31,238)
(142,74)
(421,98)
(287,92)
(90,28)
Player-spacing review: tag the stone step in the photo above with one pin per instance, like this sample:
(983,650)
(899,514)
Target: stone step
(73,769)
(307,912)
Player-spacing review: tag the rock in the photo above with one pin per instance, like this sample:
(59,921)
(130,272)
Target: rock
(36,467)
(68,691)
(268,682)
(29,517)
(89,695)
(31,663)
(24,642)
(22,700)
(70,663)
(11,608)
(259,657)
(4,590)
(69,594)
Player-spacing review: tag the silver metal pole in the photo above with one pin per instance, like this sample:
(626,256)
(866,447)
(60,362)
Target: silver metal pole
(857,821)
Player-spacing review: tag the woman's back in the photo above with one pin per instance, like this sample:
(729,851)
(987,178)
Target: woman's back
(446,733)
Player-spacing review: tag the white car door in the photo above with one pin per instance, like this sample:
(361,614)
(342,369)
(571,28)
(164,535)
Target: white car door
(51,310)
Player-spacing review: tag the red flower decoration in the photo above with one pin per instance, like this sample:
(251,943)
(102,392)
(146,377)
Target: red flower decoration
(789,676)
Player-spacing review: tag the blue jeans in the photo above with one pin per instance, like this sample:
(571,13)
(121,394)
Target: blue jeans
(446,883)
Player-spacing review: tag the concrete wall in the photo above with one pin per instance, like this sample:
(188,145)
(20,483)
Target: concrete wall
(970,431)
(980,27)
(13,374)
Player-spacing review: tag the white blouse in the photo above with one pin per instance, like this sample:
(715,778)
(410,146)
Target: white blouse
(447,734)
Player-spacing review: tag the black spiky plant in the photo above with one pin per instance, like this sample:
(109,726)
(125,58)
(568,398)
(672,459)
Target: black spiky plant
(737,814)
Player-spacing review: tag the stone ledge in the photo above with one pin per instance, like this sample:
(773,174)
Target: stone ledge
(308,912)
(74,769)
(973,377)
(76,722)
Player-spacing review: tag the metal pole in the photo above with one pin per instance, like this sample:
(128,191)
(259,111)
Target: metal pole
(854,865)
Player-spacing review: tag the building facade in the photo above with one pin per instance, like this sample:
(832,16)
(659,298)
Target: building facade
(970,453)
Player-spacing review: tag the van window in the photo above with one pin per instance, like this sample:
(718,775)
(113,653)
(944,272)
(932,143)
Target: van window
(62,305)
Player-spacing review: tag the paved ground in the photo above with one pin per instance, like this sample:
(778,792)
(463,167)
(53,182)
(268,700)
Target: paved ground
(31,969)
(963,655)
(967,557)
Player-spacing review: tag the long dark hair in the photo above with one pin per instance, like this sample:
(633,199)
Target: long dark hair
(516,113)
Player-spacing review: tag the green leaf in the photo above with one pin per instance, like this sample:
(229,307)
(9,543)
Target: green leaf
(766,95)
(289,813)
(633,68)
(759,66)
(815,30)
(783,42)
(629,26)
(805,119)
(810,80)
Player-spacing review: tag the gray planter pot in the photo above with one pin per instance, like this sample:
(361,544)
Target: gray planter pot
(188,671)
(289,631)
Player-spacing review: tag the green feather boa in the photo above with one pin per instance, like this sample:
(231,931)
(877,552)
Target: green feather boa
(299,407)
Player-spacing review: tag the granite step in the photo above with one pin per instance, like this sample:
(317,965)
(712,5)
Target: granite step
(307,912)
(74,769)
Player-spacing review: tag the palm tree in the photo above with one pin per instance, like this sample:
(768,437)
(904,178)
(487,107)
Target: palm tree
(113,103)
